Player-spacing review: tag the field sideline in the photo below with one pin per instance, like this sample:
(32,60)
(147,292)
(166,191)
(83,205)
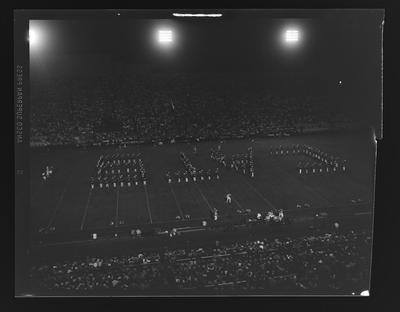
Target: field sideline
(68,204)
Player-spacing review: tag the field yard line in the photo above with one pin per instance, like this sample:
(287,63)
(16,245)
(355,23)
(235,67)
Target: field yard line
(237,203)
(196,199)
(116,210)
(86,210)
(59,202)
(259,194)
(148,203)
(362,213)
(205,199)
(176,199)
(305,186)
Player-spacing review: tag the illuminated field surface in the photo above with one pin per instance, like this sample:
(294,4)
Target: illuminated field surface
(67,203)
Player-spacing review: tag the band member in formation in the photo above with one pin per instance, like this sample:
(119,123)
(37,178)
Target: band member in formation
(215,214)
(200,173)
(168,175)
(305,168)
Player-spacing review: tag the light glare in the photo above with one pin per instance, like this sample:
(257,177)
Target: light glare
(33,37)
(292,36)
(165,36)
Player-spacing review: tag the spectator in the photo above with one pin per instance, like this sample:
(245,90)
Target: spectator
(329,262)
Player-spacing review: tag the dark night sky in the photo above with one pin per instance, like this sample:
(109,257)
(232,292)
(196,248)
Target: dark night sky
(336,46)
(332,42)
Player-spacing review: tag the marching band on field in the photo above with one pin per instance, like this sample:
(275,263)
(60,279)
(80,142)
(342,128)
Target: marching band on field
(241,162)
(191,173)
(127,170)
(194,176)
(118,171)
(322,162)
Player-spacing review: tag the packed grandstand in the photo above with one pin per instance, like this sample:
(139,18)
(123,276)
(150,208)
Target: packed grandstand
(165,108)
(328,262)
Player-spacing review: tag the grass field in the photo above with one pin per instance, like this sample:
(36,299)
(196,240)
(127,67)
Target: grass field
(67,202)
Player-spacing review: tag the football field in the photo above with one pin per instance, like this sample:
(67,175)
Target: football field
(67,203)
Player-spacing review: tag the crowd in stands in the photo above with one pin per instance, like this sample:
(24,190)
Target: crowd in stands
(162,107)
(334,261)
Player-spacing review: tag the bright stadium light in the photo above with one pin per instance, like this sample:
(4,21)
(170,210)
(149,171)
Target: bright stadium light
(291,35)
(165,36)
(39,37)
(34,37)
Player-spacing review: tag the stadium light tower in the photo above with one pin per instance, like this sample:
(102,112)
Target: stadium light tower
(165,39)
(38,38)
(292,36)
(165,36)
(33,37)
